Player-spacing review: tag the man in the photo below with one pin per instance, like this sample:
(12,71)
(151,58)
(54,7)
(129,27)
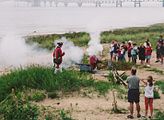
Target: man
(133,93)
(93,60)
(161,50)
(57,57)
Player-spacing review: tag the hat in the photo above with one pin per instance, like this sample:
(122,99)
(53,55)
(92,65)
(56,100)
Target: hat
(60,43)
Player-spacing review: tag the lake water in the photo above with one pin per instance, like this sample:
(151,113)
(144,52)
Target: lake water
(22,21)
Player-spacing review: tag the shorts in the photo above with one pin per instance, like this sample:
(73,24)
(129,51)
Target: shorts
(133,95)
(148,57)
(129,55)
(162,51)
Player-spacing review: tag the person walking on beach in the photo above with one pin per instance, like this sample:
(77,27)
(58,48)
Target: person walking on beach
(133,93)
(149,95)
(57,57)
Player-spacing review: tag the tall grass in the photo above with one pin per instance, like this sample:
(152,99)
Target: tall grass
(46,41)
(43,78)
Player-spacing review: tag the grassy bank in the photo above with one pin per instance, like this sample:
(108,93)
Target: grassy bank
(136,34)
(41,78)
(46,41)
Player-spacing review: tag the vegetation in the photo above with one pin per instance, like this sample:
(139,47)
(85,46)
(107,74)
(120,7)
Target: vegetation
(121,65)
(47,41)
(156,70)
(136,34)
(161,85)
(159,115)
(42,78)
(17,106)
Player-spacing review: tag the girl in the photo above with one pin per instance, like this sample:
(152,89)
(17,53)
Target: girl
(149,95)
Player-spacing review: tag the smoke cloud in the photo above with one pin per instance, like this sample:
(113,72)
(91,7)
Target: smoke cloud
(15,52)
(73,54)
(94,45)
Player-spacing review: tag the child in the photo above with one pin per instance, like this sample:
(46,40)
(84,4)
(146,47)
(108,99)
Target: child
(149,95)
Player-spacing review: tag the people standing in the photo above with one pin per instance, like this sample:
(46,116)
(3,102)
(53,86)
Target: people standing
(111,50)
(141,53)
(149,95)
(133,93)
(57,57)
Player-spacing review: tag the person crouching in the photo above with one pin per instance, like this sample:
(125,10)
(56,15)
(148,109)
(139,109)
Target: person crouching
(57,57)
(93,60)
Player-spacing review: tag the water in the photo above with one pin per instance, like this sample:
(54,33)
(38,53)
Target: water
(24,21)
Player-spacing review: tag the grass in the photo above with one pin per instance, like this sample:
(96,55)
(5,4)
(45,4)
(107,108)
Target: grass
(161,85)
(42,78)
(47,41)
(136,34)
(155,70)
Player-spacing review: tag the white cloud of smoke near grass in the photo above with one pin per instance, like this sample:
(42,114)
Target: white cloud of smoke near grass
(94,45)
(15,52)
(73,54)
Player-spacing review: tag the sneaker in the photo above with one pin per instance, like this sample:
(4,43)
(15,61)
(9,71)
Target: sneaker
(130,117)
(139,115)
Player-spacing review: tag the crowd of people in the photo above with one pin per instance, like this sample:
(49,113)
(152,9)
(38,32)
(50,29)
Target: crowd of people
(129,50)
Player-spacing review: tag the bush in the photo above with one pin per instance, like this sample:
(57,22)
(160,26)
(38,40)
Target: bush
(122,65)
(38,96)
(159,115)
(17,107)
(47,41)
(161,85)
(43,78)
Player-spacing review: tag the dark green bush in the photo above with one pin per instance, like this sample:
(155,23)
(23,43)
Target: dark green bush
(43,78)
(17,107)
(161,85)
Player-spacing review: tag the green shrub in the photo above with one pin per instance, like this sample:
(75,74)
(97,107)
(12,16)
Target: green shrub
(159,115)
(161,85)
(38,96)
(64,116)
(43,78)
(156,95)
(47,41)
(122,65)
(17,107)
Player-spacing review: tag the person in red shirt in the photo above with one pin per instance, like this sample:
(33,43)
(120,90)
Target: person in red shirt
(93,61)
(57,56)
(148,52)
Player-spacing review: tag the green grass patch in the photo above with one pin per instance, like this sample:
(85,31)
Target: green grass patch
(155,70)
(47,41)
(161,85)
(136,34)
(122,65)
(43,78)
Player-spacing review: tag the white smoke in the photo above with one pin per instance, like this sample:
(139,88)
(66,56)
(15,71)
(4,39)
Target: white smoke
(15,52)
(73,54)
(94,45)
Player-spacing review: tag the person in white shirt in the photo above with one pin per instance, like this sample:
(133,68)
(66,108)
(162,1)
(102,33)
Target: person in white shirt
(149,95)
